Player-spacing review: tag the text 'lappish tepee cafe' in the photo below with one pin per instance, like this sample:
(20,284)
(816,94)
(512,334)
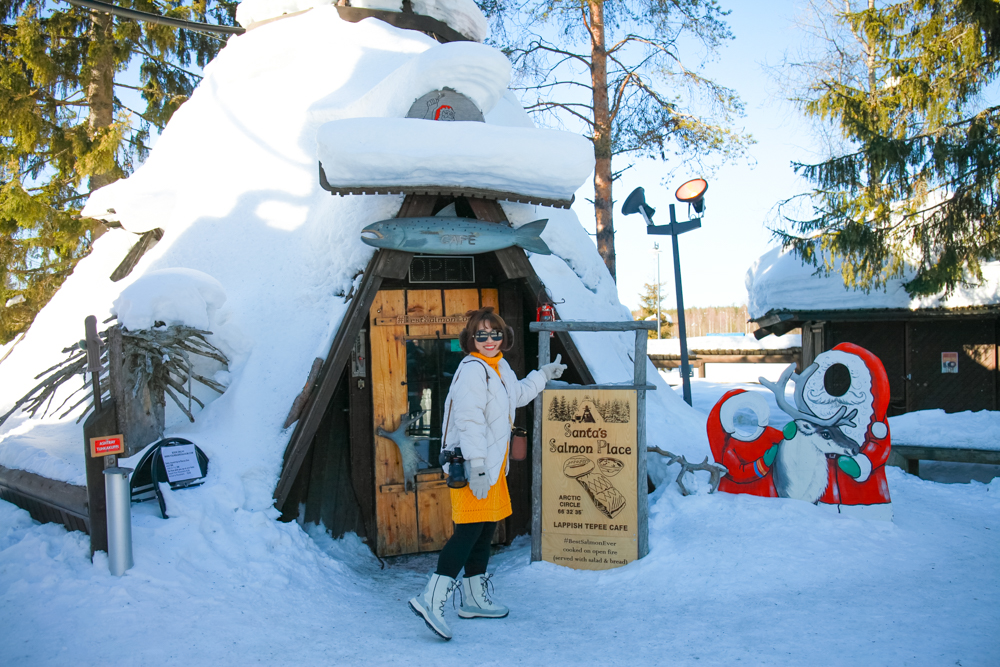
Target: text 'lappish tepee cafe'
(288,303)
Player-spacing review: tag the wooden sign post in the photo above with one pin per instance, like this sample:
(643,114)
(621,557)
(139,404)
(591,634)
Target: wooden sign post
(589,493)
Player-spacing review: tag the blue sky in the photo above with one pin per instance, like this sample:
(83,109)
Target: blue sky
(741,196)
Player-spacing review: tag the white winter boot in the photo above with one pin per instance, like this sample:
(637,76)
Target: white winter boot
(429,605)
(476,602)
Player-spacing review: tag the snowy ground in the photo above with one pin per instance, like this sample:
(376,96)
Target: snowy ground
(729,580)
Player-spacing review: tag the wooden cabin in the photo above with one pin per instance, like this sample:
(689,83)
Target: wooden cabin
(394,355)
(936,358)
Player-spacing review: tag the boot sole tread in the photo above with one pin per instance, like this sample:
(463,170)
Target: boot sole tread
(430,625)
(476,614)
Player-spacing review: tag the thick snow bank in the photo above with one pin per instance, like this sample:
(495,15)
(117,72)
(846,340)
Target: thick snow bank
(747,342)
(479,72)
(413,152)
(779,281)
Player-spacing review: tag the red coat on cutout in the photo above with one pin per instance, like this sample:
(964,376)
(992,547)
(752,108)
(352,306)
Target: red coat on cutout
(744,460)
(873,490)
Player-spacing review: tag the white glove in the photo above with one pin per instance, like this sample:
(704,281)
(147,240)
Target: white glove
(479,481)
(555,369)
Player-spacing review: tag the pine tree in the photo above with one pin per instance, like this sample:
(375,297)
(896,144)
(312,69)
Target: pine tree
(647,309)
(904,85)
(553,415)
(66,131)
(616,69)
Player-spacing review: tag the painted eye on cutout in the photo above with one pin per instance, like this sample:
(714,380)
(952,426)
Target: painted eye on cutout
(837,380)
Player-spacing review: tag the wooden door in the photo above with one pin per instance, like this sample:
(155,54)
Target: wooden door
(414,382)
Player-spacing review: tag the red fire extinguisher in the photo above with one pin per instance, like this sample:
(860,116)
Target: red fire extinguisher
(546,313)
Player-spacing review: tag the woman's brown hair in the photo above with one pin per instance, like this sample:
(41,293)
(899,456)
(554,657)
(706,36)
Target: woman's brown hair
(477,318)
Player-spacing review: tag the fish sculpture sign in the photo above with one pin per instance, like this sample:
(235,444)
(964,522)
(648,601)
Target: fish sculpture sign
(832,453)
(453,236)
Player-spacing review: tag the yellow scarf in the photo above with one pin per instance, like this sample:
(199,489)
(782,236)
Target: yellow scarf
(494,362)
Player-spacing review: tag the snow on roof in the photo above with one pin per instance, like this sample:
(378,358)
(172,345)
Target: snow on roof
(462,15)
(779,281)
(413,152)
(735,342)
(233,183)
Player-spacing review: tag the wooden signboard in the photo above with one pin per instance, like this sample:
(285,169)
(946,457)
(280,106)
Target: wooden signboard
(590,467)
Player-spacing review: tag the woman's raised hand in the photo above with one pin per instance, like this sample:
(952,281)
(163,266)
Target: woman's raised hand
(555,369)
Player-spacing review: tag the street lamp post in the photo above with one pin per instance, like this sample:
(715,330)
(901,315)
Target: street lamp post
(692,192)
(659,320)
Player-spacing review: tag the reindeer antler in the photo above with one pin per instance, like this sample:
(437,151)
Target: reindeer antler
(778,389)
(716,471)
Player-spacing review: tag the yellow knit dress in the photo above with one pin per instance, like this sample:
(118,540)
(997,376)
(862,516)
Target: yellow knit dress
(465,507)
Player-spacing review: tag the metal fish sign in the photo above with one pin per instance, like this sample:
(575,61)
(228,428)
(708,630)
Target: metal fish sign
(453,236)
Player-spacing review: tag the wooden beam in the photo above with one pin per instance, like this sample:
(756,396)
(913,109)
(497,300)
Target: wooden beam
(674,360)
(952,454)
(440,190)
(385,264)
(47,500)
(515,265)
(441,31)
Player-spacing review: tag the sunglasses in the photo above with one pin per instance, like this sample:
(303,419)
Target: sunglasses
(483,336)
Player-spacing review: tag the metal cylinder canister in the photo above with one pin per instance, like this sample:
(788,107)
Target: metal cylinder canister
(119,504)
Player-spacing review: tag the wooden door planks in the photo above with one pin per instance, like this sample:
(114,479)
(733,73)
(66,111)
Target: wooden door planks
(434,525)
(424,302)
(395,509)
(490,297)
(459,302)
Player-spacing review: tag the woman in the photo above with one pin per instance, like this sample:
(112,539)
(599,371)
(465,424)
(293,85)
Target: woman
(479,416)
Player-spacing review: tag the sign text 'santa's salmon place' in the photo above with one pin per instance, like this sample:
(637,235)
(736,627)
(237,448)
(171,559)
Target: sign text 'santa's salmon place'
(589,473)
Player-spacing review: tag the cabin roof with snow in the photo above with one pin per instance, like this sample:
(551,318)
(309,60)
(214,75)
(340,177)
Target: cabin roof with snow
(783,293)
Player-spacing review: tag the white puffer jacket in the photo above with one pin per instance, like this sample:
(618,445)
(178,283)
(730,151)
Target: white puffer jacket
(479,411)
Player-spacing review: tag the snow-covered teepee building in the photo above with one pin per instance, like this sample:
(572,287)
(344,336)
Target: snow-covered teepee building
(246,221)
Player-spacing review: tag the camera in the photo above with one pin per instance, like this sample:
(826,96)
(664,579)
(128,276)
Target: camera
(456,467)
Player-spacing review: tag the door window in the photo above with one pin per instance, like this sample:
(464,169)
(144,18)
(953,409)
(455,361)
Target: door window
(430,365)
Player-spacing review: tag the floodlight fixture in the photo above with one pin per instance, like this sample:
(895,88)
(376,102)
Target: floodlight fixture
(636,203)
(693,192)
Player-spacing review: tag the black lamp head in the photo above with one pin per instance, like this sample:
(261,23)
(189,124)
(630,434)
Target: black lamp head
(636,201)
(693,192)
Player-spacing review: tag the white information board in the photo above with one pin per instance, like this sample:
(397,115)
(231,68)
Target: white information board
(180,462)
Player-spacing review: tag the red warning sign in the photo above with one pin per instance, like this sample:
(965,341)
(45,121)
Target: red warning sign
(107,445)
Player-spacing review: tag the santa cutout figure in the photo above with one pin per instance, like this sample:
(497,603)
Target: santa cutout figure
(834,451)
(748,451)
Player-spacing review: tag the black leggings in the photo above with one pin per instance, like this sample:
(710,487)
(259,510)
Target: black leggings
(468,546)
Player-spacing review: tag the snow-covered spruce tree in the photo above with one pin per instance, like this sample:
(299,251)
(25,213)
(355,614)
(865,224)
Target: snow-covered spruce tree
(914,178)
(617,69)
(65,131)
